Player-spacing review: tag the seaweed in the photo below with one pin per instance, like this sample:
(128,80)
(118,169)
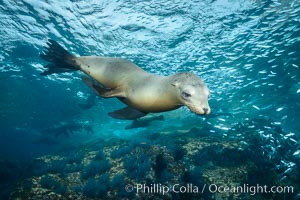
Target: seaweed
(27,184)
(137,166)
(57,166)
(117,181)
(90,188)
(39,166)
(179,153)
(61,189)
(165,176)
(221,156)
(74,157)
(194,176)
(99,155)
(73,168)
(95,167)
(72,162)
(204,155)
(103,184)
(141,142)
(104,179)
(50,183)
(96,188)
(159,165)
(121,152)
(77,189)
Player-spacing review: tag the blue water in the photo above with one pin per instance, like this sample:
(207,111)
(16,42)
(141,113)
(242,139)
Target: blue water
(246,51)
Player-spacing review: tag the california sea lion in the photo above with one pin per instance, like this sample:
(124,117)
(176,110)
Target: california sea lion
(141,91)
(144,122)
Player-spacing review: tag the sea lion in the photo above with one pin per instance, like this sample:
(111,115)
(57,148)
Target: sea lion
(141,91)
(144,122)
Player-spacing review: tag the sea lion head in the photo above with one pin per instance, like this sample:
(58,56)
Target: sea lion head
(192,92)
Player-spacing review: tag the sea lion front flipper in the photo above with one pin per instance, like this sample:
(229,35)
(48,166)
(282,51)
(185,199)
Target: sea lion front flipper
(102,91)
(107,93)
(127,113)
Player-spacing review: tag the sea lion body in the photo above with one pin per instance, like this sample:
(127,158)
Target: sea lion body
(143,92)
(140,89)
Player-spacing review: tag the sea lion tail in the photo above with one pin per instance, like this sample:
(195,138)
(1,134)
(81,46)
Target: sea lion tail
(60,60)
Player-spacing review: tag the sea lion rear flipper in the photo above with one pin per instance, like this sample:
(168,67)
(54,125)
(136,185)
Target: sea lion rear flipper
(60,60)
(127,113)
(101,91)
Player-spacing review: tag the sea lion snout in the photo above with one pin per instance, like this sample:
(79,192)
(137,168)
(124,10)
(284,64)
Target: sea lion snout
(205,110)
(199,109)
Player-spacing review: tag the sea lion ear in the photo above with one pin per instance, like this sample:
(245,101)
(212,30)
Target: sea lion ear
(175,84)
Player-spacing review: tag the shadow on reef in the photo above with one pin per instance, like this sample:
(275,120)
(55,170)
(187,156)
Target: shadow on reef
(50,135)
(253,152)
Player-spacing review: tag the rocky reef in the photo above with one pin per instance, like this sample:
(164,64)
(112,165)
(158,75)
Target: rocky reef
(196,162)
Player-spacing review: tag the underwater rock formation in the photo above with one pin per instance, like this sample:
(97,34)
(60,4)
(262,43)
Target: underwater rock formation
(253,152)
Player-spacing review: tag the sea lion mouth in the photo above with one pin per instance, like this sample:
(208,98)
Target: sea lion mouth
(199,110)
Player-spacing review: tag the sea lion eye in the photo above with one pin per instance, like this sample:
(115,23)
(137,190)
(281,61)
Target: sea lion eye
(186,94)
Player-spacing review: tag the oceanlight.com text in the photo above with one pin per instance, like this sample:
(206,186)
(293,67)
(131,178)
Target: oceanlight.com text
(158,188)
